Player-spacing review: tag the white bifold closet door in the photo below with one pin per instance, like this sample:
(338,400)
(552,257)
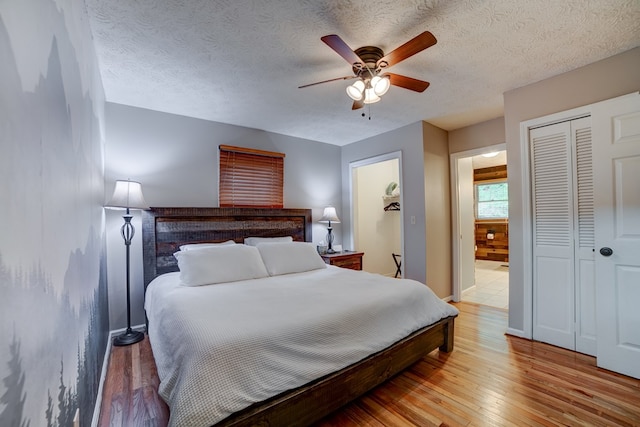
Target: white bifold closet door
(563,235)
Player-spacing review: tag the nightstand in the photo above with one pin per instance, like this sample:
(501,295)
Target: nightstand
(346,259)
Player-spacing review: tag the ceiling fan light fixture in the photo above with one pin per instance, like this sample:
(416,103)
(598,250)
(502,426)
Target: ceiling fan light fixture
(368,63)
(370,96)
(380,85)
(356,90)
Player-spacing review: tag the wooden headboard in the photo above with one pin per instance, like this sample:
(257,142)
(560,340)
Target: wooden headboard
(165,229)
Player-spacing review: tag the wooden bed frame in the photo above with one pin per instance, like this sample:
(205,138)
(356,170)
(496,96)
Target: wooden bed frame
(165,229)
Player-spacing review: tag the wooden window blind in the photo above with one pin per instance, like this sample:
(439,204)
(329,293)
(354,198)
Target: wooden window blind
(250,178)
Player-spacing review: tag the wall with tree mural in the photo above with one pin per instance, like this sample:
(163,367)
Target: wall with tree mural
(53,290)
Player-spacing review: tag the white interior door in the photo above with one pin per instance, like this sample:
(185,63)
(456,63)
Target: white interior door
(584,268)
(616,150)
(553,246)
(467,224)
(564,286)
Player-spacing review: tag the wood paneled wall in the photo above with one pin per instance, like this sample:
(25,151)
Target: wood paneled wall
(488,174)
(496,249)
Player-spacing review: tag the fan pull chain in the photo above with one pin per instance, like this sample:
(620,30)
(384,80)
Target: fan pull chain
(369,108)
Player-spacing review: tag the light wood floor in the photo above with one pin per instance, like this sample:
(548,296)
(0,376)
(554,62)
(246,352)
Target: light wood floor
(490,379)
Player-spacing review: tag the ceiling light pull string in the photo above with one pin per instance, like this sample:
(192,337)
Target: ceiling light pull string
(369,110)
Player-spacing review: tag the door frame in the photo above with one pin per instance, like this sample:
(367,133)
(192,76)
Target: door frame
(526,275)
(370,161)
(455,206)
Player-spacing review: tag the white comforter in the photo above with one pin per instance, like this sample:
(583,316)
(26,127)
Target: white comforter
(220,348)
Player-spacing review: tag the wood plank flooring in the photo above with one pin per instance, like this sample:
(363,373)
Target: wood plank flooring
(490,379)
(130,392)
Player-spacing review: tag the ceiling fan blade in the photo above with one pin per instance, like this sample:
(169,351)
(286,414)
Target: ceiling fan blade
(357,104)
(407,82)
(327,81)
(342,49)
(410,48)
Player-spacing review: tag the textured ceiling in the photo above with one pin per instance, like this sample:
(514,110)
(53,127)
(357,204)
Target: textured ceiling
(241,61)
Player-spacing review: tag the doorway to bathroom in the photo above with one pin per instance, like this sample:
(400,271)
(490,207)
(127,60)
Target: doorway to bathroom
(480,226)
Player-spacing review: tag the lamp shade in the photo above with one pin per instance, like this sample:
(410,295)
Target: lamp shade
(380,85)
(329,215)
(127,194)
(370,96)
(355,90)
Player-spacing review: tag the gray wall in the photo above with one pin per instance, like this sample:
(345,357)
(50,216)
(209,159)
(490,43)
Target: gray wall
(479,135)
(437,210)
(490,132)
(176,157)
(611,77)
(408,140)
(53,304)
(425,198)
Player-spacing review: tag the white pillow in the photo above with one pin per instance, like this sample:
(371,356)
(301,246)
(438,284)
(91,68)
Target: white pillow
(253,241)
(219,264)
(290,257)
(193,246)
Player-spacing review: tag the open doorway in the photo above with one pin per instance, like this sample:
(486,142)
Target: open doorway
(480,226)
(377,220)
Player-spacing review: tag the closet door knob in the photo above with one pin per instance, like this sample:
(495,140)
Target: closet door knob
(606,251)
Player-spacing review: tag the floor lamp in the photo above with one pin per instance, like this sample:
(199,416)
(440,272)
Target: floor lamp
(128,195)
(330,216)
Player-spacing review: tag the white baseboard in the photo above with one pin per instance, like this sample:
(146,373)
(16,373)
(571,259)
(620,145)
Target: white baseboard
(103,374)
(448,299)
(115,332)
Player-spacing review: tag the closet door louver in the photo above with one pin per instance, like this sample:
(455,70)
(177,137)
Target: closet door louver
(553,246)
(552,190)
(585,289)
(563,235)
(584,168)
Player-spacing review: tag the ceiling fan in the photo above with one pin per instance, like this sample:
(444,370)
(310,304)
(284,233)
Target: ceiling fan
(370,62)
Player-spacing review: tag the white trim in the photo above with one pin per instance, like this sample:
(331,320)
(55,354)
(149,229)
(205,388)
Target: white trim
(527,235)
(103,375)
(448,299)
(527,218)
(370,161)
(115,332)
(455,225)
(455,216)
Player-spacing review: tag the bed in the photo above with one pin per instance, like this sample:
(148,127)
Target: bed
(295,393)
